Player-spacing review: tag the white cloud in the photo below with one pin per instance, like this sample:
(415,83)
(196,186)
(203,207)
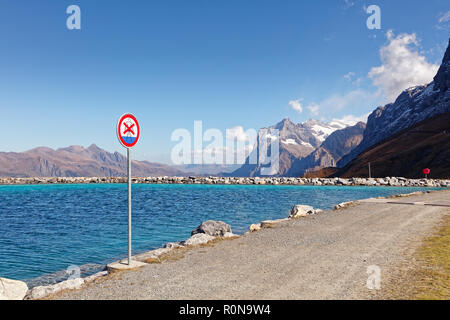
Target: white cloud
(296,105)
(314,109)
(348,4)
(443,21)
(402,66)
(338,102)
(445,17)
(349,76)
(351,120)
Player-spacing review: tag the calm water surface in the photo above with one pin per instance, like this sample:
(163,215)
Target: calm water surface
(46,228)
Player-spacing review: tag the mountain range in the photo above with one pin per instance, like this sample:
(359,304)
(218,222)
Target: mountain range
(298,141)
(77,161)
(399,138)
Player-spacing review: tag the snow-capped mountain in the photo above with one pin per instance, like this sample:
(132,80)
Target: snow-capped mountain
(336,145)
(322,130)
(296,142)
(412,106)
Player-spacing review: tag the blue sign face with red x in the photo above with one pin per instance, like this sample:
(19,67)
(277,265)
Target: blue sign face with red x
(128,130)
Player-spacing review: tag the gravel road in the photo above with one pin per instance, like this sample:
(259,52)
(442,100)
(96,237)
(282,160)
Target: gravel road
(324,256)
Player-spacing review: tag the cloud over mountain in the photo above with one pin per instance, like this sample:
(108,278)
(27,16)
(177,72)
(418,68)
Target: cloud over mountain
(402,66)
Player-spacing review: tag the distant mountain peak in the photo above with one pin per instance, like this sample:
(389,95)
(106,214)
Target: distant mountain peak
(285,123)
(322,130)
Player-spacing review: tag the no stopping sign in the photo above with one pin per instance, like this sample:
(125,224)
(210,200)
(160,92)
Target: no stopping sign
(128,130)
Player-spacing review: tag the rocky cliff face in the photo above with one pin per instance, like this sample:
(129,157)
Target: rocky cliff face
(335,146)
(296,141)
(412,106)
(76,161)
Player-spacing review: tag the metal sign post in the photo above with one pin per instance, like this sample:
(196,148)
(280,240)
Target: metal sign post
(128,132)
(129,205)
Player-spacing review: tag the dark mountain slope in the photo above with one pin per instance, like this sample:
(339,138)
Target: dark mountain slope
(424,145)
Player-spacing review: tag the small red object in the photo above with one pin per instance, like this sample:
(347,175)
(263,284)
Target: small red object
(426,171)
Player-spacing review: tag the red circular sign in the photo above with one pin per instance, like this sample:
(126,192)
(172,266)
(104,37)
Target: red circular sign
(128,130)
(426,171)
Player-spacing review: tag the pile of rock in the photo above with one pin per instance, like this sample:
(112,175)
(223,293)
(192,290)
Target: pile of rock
(298,211)
(205,232)
(208,231)
(388,181)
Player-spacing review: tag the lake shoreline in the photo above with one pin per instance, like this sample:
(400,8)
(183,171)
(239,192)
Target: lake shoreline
(170,250)
(99,288)
(158,250)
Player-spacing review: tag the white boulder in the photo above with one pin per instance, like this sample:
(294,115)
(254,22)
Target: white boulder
(12,289)
(43,291)
(212,228)
(198,238)
(301,210)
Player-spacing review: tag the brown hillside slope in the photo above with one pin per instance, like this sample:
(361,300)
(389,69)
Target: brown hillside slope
(424,145)
(76,161)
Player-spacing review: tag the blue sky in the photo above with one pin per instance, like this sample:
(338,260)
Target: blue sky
(227,63)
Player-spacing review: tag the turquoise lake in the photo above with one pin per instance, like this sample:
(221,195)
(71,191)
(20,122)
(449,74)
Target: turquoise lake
(44,229)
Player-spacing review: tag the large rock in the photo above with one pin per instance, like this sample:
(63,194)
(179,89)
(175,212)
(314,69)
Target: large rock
(198,238)
(344,205)
(43,291)
(212,228)
(12,289)
(301,210)
(255,227)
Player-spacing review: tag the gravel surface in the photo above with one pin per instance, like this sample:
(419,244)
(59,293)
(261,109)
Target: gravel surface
(323,256)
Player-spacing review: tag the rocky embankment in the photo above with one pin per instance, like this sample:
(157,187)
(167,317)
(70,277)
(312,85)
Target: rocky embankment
(206,232)
(388,181)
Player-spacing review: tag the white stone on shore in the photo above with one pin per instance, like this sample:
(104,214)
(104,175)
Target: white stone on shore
(43,291)
(212,228)
(12,289)
(255,227)
(173,245)
(198,238)
(343,205)
(229,235)
(301,210)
